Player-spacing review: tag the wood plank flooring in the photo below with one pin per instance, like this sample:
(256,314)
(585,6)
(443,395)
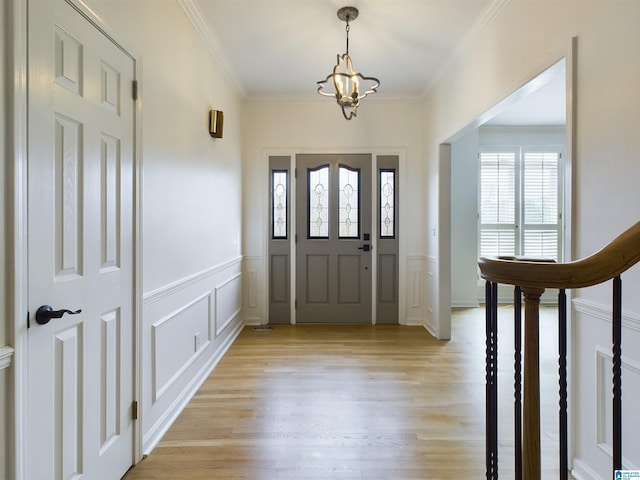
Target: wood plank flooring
(351,402)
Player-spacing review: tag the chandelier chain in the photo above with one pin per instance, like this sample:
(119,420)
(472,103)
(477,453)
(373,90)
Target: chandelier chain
(347,28)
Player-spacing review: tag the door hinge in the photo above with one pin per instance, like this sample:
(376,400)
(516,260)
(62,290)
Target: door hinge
(134,90)
(295,303)
(296,238)
(295,173)
(28,321)
(134,410)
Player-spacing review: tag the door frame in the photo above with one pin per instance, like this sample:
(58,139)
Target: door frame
(17,241)
(402,248)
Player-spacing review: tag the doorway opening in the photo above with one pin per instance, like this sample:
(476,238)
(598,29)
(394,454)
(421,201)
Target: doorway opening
(551,92)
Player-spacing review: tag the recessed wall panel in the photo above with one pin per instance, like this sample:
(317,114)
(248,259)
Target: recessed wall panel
(110,152)
(228,302)
(68,196)
(174,344)
(604,407)
(68,403)
(110,368)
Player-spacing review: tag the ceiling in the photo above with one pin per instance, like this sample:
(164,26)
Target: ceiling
(279,49)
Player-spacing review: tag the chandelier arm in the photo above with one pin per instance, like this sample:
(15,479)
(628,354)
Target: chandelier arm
(352,113)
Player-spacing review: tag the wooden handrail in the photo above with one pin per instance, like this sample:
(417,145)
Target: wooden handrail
(531,277)
(619,255)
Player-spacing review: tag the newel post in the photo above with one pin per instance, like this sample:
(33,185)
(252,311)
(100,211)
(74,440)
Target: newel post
(531,401)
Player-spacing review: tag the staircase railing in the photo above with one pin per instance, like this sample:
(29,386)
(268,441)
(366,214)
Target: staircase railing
(531,277)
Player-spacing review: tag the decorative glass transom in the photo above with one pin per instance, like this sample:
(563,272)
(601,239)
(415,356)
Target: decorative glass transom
(279,182)
(318,194)
(349,202)
(387,203)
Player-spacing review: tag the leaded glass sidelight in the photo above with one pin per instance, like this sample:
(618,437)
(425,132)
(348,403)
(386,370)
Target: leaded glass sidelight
(387,203)
(318,204)
(279,182)
(349,202)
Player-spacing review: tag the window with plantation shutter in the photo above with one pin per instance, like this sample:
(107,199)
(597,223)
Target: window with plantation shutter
(541,213)
(497,204)
(520,192)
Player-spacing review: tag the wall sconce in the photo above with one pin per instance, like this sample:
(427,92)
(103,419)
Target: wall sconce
(216,119)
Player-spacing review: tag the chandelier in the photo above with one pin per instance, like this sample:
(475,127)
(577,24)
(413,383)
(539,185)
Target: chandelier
(349,85)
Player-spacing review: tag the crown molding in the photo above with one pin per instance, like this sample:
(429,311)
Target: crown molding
(208,36)
(487,17)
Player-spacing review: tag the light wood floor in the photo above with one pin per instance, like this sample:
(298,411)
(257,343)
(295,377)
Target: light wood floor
(337,402)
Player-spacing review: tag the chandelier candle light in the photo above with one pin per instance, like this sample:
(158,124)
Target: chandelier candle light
(350,86)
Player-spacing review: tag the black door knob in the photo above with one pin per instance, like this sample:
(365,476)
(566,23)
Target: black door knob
(46,313)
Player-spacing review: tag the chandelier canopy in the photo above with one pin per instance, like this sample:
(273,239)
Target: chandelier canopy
(349,86)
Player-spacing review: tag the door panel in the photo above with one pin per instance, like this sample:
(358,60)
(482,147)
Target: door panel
(333,267)
(80,214)
(349,276)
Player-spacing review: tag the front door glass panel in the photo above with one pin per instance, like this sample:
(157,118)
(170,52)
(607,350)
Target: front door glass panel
(349,208)
(318,195)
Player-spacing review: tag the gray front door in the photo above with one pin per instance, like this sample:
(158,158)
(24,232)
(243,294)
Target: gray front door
(333,231)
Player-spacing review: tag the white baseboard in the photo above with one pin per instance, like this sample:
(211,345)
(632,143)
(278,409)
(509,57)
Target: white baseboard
(254,321)
(582,471)
(414,322)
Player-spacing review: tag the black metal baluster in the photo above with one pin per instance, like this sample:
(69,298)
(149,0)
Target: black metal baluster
(517,379)
(562,371)
(491,326)
(617,373)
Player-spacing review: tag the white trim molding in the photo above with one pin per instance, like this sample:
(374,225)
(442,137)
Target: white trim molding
(602,312)
(6,353)
(172,288)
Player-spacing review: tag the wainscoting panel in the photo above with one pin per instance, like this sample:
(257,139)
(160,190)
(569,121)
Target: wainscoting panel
(228,302)
(187,327)
(177,339)
(630,411)
(415,290)
(254,283)
(591,370)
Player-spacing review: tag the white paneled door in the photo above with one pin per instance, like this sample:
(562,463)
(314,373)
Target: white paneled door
(80,240)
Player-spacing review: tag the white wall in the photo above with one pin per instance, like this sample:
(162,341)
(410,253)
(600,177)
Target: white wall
(318,126)
(464,221)
(513,49)
(191,205)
